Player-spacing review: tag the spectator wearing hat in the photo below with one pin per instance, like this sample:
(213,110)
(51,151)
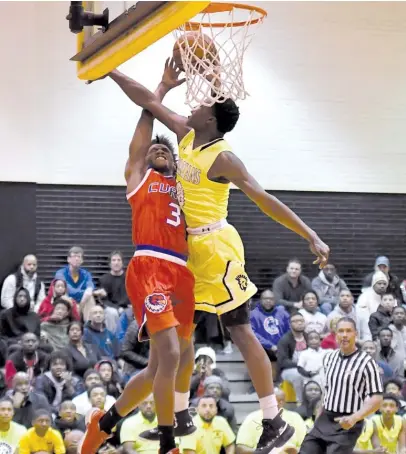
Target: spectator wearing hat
(205,366)
(214,386)
(369,300)
(382,264)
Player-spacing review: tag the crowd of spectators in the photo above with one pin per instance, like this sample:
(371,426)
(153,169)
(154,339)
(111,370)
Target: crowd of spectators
(72,345)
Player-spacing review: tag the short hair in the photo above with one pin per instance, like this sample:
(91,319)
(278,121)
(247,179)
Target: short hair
(112,254)
(394,381)
(166,141)
(206,396)
(295,314)
(385,328)
(389,293)
(347,320)
(60,355)
(294,260)
(226,113)
(8,400)
(90,372)
(76,250)
(41,412)
(97,385)
(59,300)
(399,307)
(346,290)
(75,323)
(313,293)
(307,335)
(390,396)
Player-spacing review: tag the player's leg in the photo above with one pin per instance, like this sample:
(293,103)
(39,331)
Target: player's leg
(184,313)
(100,424)
(167,348)
(276,432)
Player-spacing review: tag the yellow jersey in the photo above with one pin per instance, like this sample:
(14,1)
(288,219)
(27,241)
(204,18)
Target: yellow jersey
(202,201)
(388,437)
(52,442)
(364,440)
(132,427)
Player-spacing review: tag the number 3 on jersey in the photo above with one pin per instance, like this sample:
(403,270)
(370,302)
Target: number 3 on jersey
(175,215)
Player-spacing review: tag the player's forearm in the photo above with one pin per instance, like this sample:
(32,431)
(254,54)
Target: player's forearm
(138,94)
(371,405)
(282,214)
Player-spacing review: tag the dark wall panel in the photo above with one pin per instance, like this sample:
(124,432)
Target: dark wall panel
(17,225)
(358,227)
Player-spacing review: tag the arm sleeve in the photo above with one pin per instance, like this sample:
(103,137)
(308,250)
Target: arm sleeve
(284,361)
(59,446)
(8,291)
(228,434)
(278,294)
(24,445)
(373,381)
(89,280)
(41,295)
(373,327)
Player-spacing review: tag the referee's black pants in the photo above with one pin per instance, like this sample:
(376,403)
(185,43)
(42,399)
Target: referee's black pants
(328,437)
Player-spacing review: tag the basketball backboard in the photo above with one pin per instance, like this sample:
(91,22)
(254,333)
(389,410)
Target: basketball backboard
(129,33)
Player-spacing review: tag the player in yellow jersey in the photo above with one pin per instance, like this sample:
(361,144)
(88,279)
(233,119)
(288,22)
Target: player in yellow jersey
(206,168)
(389,428)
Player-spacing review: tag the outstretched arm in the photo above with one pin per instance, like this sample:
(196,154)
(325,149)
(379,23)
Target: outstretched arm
(228,166)
(136,166)
(149,101)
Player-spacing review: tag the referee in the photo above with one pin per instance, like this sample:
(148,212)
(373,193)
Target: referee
(353,392)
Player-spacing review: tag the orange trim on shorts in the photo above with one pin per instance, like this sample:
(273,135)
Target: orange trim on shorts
(160,322)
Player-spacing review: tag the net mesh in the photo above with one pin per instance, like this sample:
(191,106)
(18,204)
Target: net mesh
(213,60)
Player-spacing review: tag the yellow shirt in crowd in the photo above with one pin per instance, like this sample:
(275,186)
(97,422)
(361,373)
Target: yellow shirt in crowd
(133,426)
(9,440)
(388,438)
(250,430)
(209,437)
(52,442)
(364,440)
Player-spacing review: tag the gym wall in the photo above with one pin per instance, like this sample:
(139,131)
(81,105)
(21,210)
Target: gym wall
(323,129)
(326,111)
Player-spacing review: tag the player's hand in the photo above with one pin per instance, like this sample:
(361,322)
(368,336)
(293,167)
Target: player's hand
(381,450)
(346,422)
(170,77)
(320,250)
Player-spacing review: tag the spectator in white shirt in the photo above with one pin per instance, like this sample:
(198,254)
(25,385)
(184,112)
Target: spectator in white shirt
(26,277)
(310,363)
(371,298)
(82,401)
(314,320)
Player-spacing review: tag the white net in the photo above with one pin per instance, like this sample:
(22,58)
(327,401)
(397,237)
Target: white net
(212,50)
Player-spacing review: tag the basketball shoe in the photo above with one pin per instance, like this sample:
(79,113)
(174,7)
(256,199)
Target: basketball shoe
(94,437)
(183,426)
(273,437)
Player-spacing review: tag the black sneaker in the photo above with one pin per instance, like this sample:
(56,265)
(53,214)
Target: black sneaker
(273,438)
(183,426)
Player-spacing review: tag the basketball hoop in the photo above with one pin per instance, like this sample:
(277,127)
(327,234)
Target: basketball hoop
(213,59)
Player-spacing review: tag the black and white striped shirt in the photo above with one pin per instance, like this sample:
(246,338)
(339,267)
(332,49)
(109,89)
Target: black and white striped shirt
(349,381)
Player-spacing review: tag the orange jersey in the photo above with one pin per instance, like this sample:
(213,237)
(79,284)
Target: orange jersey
(158,226)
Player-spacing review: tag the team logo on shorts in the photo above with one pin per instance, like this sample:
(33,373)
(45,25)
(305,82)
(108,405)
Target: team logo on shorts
(180,194)
(242,281)
(5,448)
(156,303)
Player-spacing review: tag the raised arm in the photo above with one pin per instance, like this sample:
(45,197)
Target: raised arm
(144,98)
(228,166)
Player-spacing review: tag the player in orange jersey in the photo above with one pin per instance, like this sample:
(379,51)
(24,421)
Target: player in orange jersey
(160,288)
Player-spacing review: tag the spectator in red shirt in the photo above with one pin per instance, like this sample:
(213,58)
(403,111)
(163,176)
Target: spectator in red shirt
(57,289)
(329,342)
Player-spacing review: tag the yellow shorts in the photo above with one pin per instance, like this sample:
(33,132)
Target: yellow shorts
(217,261)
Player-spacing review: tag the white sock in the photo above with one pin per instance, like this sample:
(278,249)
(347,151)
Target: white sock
(269,406)
(181,401)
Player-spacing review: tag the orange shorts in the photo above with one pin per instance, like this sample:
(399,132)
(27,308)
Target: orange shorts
(162,296)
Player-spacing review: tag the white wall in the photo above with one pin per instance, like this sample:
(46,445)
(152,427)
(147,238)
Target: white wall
(327,109)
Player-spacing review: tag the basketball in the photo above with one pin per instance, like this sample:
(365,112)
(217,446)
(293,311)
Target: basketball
(197,43)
